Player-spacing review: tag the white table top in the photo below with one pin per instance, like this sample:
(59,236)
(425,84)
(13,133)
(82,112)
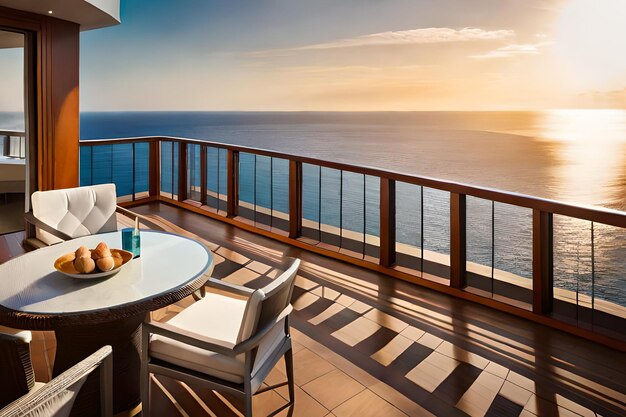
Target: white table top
(30,284)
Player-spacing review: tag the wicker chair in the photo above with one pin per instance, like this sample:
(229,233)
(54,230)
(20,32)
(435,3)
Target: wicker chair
(69,213)
(15,365)
(228,341)
(57,396)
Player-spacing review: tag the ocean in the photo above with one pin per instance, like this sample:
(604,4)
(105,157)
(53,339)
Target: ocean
(576,156)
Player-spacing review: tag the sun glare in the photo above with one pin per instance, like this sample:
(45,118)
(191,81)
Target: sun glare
(591,39)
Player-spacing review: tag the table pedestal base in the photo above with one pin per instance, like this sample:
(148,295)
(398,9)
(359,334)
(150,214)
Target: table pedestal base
(77,342)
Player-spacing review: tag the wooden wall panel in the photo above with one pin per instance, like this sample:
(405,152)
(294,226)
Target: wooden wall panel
(51,96)
(61,113)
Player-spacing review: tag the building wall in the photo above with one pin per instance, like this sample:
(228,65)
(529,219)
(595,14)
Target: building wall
(51,97)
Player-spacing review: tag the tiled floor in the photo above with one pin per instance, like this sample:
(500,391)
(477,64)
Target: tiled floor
(367,345)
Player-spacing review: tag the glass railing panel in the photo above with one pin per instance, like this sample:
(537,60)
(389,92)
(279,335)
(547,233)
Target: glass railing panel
(480,246)
(409,226)
(122,171)
(264,191)
(280,193)
(513,240)
(353,218)
(247,185)
(330,208)
(216,179)
(423,231)
(437,232)
(86,165)
(193,172)
(101,164)
(609,275)
(142,169)
(169,169)
(372,218)
(589,275)
(311,202)
(499,251)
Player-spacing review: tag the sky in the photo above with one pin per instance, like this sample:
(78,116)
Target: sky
(357,55)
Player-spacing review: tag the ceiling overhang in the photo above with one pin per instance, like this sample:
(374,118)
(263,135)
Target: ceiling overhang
(89,14)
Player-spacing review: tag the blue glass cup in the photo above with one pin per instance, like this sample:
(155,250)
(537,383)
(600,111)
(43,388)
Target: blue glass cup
(131,241)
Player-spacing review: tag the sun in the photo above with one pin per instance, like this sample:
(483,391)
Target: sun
(590,39)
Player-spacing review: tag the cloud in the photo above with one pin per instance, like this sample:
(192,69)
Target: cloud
(405,37)
(513,50)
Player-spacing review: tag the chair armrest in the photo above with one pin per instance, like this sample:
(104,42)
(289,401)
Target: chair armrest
(228,287)
(255,340)
(30,218)
(16,368)
(61,383)
(189,338)
(141,218)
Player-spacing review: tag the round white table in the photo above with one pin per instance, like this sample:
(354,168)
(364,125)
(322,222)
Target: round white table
(87,314)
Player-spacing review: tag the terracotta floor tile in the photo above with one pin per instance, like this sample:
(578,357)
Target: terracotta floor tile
(367,404)
(462,355)
(359,307)
(392,350)
(573,406)
(304,406)
(515,393)
(496,369)
(521,381)
(489,382)
(329,312)
(430,341)
(241,276)
(333,388)
(428,376)
(308,366)
(399,401)
(305,283)
(544,408)
(412,333)
(259,267)
(304,301)
(386,320)
(232,255)
(357,331)
(326,292)
(345,300)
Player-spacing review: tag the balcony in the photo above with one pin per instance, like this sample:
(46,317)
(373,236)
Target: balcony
(372,345)
(550,262)
(368,341)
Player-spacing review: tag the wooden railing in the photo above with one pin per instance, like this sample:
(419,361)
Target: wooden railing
(13,143)
(380,252)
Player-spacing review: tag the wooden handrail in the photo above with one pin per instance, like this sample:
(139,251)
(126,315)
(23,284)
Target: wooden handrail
(15,133)
(591,213)
(542,210)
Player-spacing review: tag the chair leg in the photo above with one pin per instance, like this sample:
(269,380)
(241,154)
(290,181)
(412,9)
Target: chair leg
(289,369)
(247,412)
(144,378)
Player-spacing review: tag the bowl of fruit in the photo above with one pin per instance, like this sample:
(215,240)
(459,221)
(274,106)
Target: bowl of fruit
(87,263)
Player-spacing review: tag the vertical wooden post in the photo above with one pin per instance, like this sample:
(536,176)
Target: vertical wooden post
(458,240)
(295,199)
(154,167)
(182,171)
(203,168)
(387,222)
(232,199)
(543,275)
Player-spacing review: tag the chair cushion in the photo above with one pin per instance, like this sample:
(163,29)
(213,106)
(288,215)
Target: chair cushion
(76,212)
(215,316)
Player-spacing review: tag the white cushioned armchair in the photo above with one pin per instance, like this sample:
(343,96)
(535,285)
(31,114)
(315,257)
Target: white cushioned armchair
(229,340)
(69,213)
